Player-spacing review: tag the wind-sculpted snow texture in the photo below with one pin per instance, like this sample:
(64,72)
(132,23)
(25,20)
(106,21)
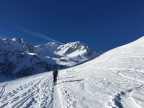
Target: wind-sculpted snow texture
(113,80)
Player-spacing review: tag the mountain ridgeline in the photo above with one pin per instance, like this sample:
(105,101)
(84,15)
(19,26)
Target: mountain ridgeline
(20,58)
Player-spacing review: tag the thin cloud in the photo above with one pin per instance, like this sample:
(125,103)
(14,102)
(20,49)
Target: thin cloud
(39,35)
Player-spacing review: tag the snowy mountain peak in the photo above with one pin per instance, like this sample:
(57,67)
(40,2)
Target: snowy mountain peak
(76,44)
(68,54)
(18,44)
(49,44)
(73,46)
(20,40)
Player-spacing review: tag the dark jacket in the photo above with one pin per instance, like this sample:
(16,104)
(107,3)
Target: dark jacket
(55,74)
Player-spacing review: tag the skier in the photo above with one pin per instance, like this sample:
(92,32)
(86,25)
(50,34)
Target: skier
(55,74)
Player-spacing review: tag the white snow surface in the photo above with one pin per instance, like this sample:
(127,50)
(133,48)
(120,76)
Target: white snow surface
(113,80)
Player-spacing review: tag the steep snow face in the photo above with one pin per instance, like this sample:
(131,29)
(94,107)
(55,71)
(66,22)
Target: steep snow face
(67,54)
(18,57)
(113,80)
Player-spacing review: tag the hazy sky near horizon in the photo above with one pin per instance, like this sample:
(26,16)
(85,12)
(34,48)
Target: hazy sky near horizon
(102,24)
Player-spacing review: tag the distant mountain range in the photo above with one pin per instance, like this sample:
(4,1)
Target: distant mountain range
(20,58)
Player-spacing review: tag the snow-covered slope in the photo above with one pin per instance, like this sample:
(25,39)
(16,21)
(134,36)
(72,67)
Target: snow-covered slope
(113,80)
(67,54)
(18,57)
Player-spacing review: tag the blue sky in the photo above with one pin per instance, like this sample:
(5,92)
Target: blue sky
(102,24)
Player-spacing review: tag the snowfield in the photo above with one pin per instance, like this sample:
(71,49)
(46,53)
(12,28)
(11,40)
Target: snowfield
(113,80)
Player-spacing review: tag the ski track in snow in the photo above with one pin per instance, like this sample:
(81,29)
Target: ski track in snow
(35,93)
(2,90)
